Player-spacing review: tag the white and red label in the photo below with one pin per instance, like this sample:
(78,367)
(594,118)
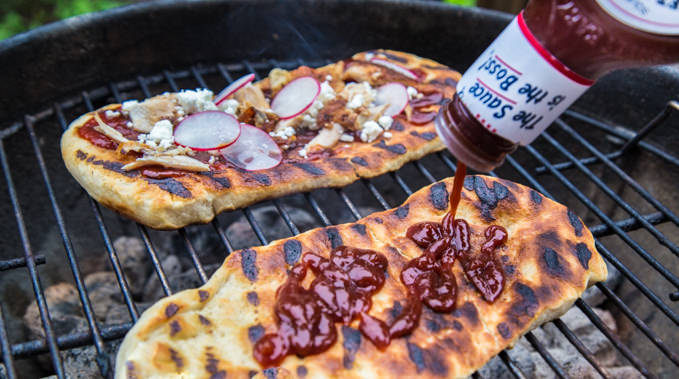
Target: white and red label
(653,16)
(516,88)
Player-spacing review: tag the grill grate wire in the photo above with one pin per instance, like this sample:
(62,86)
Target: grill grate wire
(99,334)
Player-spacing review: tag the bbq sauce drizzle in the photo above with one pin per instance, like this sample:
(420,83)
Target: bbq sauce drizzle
(344,284)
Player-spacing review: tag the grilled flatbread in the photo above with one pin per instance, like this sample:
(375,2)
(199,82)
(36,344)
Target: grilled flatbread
(209,332)
(171,193)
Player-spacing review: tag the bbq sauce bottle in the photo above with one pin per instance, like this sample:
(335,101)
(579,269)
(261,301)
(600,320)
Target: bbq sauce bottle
(542,62)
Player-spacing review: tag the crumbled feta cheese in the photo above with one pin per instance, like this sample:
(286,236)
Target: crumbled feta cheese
(111,114)
(128,105)
(355,101)
(371,130)
(196,101)
(229,106)
(308,119)
(128,124)
(412,92)
(328,78)
(387,134)
(179,111)
(160,136)
(347,138)
(302,153)
(211,160)
(283,133)
(359,94)
(385,122)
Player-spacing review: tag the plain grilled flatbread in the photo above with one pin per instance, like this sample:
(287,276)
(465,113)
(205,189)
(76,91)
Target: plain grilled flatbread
(196,197)
(209,332)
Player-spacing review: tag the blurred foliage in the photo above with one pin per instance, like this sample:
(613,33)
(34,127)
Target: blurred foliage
(466,3)
(17,16)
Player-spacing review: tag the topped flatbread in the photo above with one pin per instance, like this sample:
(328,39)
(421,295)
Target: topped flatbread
(548,260)
(365,116)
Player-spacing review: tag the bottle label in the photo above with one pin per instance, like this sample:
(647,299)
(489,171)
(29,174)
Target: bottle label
(653,16)
(516,88)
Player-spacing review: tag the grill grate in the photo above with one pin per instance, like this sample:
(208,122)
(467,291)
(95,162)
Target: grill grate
(409,178)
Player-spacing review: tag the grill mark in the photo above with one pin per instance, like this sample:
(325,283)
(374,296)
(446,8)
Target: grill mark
(438,195)
(115,167)
(394,57)
(176,358)
(550,236)
(396,148)
(255,332)
(553,263)
(253,298)
(450,82)
(457,325)
(302,371)
(575,223)
(81,155)
(489,197)
(261,178)
(334,237)
(396,310)
(221,182)
(583,254)
(535,197)
(131,374)
(416,356)
(203,295)
(204,320)
(402,212)
(359,228)
(271,373)
(469,183)
(467,311)
(292,250)
(351,344)
(340,164)
(526,306)
(427,136)
(310,168)
(171,186)
(212,367)
(248,262)
(398,126)
(359,161)
(504,331)
(171,310)
(175,328)
(432,325)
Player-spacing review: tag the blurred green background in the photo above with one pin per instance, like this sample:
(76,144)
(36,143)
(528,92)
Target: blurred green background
(18,16)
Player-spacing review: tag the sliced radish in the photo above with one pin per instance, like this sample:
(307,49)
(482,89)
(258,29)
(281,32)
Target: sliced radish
(253,150)
(396,67)
(296,97)
(394,94)
(207,130)
(233,87)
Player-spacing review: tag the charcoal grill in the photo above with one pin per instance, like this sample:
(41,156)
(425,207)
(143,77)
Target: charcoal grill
(603,158)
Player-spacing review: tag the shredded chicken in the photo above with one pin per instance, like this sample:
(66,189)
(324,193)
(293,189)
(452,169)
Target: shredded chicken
(181,162)
(253,96)
(278,78)
(145,114)
(108,131)
(327,137)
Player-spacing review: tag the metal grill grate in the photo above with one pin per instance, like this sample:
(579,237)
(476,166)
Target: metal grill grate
(337,206)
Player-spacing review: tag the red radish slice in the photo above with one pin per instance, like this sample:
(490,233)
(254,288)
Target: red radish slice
(421,118)
(394,94)
(296,97)
(207,130)
(253,150)
(233,87)
(396,67)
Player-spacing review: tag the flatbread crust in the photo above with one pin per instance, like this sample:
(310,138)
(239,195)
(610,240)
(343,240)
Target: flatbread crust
(197,197)
(209,332)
